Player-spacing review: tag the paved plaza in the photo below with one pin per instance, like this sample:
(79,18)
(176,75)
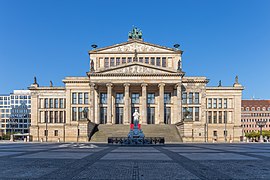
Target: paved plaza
(100,161)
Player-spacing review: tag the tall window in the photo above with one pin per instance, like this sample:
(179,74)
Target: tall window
(219,103)
(158,61)
(225,103)
(220,117)
(151,98)
(74,114)
(152,60)
(164,62)
(117,61)
(56,103)
(197,112)
(215,117)
(103,98)
(86,98)
(46,103)
(215,103)
(80,98)
(62,103)
(124,60)
(190,98)
(146,60)
(106,62)
(74,98)
(111,61)
(196,101)
(184,98)
(167,98)
(135,98)
(51,103)
(209,105)
(119,98)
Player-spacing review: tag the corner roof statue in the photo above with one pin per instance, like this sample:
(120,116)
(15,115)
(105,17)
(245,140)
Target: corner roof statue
(135,33)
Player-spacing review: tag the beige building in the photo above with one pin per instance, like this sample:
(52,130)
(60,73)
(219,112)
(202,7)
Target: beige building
(143,76)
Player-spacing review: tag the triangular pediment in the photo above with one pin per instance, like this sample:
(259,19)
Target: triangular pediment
(131,46)
(136,68)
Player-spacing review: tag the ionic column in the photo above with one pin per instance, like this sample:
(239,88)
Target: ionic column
(161,103)
(144,104)
(92,102)
(127,105)
(109,103)
(179,102)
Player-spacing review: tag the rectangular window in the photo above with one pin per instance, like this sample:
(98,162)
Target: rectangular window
(55,132)
(197,101)
(209,105)
(167,98)
(158,61)
(184,98)
(164,62)
(135,98)
(106,65)
(129,59)
(119,98)
(215,103)
(225,103)
(74,114)
(220,117)
(62,103)
(151,98)
(111,61)
(141,59)
(210,117)
(215,117)
(56,103)
(124,60)
(219,103)
(61,117)
(103,98)
(56,117)
(152,61)
(86,98)
(197,112)
(74,98)
(80,113)
(46,103)
(147,60)
(80,98)
(190,98)
(51,103)
(117,61)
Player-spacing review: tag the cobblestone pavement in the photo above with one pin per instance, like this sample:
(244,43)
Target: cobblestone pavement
(100,161)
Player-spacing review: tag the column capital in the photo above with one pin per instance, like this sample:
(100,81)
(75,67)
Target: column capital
(109,84)
(161,84)
(126,84)
(144,84)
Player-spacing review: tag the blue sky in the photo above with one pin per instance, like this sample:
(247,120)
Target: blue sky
(220,39)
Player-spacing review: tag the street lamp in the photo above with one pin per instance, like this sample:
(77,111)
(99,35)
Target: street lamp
(261,123)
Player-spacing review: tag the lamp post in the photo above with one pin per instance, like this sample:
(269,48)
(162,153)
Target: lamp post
(261,123)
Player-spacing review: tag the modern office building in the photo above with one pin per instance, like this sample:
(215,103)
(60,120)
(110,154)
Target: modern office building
(253,111)
(15,112)
(143,76)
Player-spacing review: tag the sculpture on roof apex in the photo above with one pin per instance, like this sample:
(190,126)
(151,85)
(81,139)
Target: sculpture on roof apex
(135,33)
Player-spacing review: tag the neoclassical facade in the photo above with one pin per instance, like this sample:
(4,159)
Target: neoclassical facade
(136,75)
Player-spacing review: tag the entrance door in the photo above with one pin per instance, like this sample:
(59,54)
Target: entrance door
(119,115)
(150,115)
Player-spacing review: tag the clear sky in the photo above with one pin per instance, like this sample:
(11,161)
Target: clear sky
(220,38)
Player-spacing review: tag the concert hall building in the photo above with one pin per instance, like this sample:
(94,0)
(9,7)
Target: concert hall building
(136,75)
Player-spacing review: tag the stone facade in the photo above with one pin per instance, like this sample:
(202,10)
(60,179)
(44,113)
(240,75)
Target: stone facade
(136,75)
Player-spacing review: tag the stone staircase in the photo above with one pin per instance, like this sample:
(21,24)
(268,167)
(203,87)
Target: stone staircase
(169,132)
